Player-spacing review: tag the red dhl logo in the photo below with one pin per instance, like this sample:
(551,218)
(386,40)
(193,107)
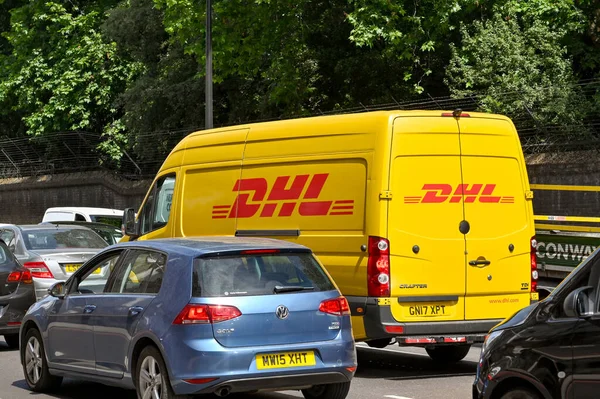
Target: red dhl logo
(438,193)
(281,199)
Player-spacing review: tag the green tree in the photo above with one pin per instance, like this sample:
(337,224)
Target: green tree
(522,71)
(61,74)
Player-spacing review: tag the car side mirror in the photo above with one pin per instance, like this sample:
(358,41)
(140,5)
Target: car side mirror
(57,290)
(578,304)
(129,223)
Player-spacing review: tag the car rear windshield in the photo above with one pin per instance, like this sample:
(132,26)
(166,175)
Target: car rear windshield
(112,220)
(258,275)
(61,239)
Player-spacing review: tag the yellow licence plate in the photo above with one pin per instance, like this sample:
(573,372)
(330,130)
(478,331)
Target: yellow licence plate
(72,268)
(285,360)
(428,310)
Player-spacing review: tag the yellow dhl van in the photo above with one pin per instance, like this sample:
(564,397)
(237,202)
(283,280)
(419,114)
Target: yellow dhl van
(424,219)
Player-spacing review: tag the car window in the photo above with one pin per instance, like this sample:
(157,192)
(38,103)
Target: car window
(141,273)
(10,239)
(157,209)
(257,274)
(586,275)
(96,279)
(115,221)
(62,238)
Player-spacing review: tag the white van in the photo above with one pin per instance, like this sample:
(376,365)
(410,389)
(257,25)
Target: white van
(99,215)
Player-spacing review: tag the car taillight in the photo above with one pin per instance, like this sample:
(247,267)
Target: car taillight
(533,258)
(38,269)
(206,314)
(337,306)
(378,268)
(20,276)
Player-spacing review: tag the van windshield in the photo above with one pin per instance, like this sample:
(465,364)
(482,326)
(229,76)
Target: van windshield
(258,275)
(112,220)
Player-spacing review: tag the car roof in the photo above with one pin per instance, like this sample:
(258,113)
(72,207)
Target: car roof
(92,211)
(90,225)
(27,227)
(197,246)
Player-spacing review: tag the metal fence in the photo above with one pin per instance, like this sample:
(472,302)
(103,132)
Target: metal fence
(64,152)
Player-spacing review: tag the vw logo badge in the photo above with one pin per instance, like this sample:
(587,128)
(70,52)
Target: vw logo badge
(282,312)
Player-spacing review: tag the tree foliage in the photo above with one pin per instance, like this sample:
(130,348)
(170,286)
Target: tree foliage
(131,68)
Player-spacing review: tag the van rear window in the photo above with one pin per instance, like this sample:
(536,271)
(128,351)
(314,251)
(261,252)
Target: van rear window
(258,275)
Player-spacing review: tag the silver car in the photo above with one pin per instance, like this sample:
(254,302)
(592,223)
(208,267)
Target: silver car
(51,253)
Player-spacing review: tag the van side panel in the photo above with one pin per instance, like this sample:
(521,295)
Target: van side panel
(500,218)
(427,247)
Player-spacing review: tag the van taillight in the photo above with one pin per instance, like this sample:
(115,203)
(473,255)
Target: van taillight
(337,306)
(38,269)
(533,258)
(20,276)
(206,314)
(378,267)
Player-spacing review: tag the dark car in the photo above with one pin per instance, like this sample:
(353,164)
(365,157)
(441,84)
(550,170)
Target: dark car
(178,317)
(109,233)
(550,349)
(16,295)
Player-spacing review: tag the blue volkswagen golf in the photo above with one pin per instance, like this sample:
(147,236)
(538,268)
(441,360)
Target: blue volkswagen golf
(179,317)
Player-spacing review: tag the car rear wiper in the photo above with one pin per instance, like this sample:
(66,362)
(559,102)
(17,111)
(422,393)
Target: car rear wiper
(291,288)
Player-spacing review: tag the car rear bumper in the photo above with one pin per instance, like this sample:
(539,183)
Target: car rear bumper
(236,367)
(279,383)
(379,317)
(13,308)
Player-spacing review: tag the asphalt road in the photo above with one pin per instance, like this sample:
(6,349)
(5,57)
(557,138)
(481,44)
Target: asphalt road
(391,373)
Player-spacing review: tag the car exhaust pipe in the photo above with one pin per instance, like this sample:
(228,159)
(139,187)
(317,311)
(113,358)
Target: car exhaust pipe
(223,391)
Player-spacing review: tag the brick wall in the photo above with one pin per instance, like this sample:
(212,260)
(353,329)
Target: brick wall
(25,200)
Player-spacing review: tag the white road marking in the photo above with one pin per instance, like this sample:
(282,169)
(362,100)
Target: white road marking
(392,350)
(396,397)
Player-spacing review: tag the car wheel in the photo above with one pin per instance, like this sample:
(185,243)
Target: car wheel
(448,354)
(329,391)
(152,381)
(520,393)
(35,364)
(12,340)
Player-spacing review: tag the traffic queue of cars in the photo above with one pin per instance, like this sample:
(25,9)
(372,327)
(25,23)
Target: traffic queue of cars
(451,257)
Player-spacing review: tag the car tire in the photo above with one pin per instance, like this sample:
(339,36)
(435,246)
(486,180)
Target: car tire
(448,354)
(151,374)
(35,364)
(329,391)
(12,340)
(520,393)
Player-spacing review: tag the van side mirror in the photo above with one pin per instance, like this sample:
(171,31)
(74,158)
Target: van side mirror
(578,303)
(57,290)
(129,223)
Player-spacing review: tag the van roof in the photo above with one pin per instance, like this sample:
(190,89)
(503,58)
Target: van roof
(89,211)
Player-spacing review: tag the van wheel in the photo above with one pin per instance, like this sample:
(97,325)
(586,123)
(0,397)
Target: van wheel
(329,391)
(12,340)
(35,364)
(448,354)
(520,393)
(151,376)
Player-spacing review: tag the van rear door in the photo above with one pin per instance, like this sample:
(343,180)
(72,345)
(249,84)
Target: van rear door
(427,248)
(499,216)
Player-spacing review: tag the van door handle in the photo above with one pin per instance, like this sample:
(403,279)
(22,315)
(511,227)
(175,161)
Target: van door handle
(480,262)
(89,309)
(135,310)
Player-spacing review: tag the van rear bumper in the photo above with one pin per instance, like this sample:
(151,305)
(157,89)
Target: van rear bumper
(379,317)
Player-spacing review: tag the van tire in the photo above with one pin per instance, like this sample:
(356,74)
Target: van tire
(329,391)
(448,354)
(379,343)
(520,393)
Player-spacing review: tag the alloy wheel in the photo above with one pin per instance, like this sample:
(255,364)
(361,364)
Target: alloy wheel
(150,379)
(33,360)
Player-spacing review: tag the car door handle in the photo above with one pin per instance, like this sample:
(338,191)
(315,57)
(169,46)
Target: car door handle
(480,262)
(89,309)
(135,310)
